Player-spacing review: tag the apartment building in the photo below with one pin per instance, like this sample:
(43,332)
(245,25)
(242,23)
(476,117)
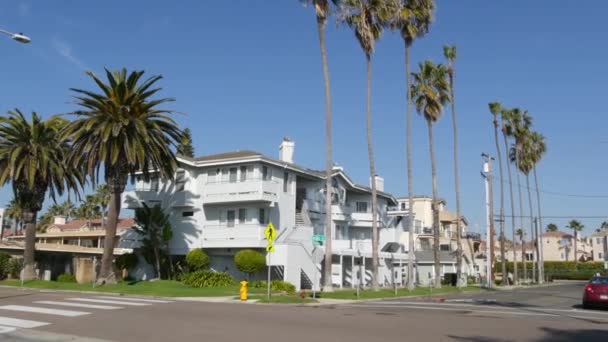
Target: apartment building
(223,202)
(423,239)
(599,243)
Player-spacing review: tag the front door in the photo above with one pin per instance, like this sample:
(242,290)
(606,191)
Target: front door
(300,197)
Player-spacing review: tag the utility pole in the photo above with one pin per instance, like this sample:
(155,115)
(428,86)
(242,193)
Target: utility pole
(486,173)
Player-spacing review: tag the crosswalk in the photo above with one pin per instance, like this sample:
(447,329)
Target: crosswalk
(66,307)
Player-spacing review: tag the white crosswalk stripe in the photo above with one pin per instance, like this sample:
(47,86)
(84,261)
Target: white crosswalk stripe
(5,329)
(143,300)
(104,301)
(21,323)
(47,311)
(78,305)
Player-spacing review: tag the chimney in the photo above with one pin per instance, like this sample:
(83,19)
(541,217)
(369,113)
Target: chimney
(379,183)
(286,150)
(59,220)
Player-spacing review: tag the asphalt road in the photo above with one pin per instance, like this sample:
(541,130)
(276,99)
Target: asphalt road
(540,314)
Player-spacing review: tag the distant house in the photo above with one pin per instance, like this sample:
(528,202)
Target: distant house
(599,243)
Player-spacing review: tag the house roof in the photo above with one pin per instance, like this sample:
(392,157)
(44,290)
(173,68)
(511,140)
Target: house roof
(557,234)
(601,233)
(123,223)
(223,156)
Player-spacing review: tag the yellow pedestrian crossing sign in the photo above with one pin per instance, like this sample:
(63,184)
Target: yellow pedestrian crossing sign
(270,248)
(270,233)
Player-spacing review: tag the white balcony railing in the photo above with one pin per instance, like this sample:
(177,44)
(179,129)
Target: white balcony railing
(134,198)
(253,233)
(249,190)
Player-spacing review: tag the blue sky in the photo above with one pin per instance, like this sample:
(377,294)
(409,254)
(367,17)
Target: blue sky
(247,73)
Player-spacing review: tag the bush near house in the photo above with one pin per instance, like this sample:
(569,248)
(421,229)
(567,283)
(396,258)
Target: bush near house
(197,260)
(4,263)
(275,285)
(66,278)
(207,278)
(14,268)
(249,261)
(566,270)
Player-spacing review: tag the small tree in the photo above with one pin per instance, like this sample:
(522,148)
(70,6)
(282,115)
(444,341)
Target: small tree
(185,147)
(154,227)
(250,261)
(197,260)
(552,227)
(126,262)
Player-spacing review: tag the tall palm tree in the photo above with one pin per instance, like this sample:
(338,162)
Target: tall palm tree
(88,210)
(430,90)
(604,225)
(363,17)
(33,159)
(413,19)
(496,109)
(539,148)
(506,128)
(322,11)
(521,234)
(122,129)
(13,211)
(449,52)
(576,227)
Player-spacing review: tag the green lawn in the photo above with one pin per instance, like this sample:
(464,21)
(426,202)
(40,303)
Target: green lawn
(161,288)
(390,293)
(284,299)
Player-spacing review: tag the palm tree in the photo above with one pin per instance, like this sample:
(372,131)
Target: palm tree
(430,90)
(552,227)
(576,227)
(33,159)
(13,211)
(496,109)
(449,52)
(88,210)
(506,133)
(123,129)
(413,19)
(364,18)
(604,225)
(539,148)
(154,227)
(185,147)
(521,234)
(102,195)
(322,10)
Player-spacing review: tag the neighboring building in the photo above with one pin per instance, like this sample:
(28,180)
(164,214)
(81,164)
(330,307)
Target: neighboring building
(2,226)
(222,203)
(599,243)
(423,237)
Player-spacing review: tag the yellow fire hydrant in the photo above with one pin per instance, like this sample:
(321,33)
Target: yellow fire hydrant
(244,290)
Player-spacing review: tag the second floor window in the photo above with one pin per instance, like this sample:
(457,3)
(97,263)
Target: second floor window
(262,216)
(242,215)
(285,181)
(598,240)
(243,173)
(230,217)
(361,207)
(154,183)
(266,173)
(232,175)
(403,206)
(180,180)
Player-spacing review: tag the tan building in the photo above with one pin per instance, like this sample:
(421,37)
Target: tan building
(599,244)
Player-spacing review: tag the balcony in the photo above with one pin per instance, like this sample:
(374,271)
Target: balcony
(133,199)
(365,246)
(239,236)
(396,211)
(251,190)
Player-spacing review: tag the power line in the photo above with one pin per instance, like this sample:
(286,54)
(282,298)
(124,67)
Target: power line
(555,193)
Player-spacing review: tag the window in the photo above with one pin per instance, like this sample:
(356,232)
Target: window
(445,248)
(211,176)
(361,207)
(403,206)
(154,183)
(187,213)
(285,181)
(230,216)
(180,180)
(242,215)
(360,233)
(266,173)
(599,255)
(341,232)
(243,173)
(232,177)
(598,240)
(262,216)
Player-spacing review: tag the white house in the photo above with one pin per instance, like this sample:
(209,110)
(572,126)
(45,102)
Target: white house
(223,202)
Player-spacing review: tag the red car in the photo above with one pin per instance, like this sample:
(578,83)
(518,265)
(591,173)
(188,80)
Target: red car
(596,292)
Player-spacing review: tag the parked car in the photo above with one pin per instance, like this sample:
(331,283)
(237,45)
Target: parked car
(596,292)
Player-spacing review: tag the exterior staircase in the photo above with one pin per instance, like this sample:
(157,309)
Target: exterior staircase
(300,219)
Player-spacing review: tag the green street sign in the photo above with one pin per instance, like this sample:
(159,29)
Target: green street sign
(318,238)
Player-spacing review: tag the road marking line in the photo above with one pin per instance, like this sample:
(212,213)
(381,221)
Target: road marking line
(103,301)
(21,323)
(4,330)
(79,305)
(35,309)
(136,299)
(471,311)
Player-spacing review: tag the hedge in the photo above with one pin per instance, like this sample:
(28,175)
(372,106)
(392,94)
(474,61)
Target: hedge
(207,278)
(197,260)
(249,261)
(563,267)
(275,285)
(66,278)
(4,263)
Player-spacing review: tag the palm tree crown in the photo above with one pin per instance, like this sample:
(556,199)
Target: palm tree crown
(365,18)
(430,90)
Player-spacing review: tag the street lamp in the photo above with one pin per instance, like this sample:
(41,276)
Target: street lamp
(19,37)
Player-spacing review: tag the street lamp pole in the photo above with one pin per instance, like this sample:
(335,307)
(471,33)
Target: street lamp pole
(487,175)
(18,37)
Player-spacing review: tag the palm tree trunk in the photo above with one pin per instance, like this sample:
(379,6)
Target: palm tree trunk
(410,189)
(327,277)
(459,281)
(521,215)
(575,247)
(372,173)
(490,239)
(157,261)
(435,208)
(103,215)
(502,207)
(532,230)
(513,229)
(29,219)
(541,258)
(106,273)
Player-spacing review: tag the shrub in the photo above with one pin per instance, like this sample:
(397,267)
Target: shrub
(197,260)
(14,268)
(275,285)
(207,278)
(250,261)
(4,262)
(66,278)
(126,261)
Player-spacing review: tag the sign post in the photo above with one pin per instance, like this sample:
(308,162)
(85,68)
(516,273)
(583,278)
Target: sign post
(317,257)
(270,234)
